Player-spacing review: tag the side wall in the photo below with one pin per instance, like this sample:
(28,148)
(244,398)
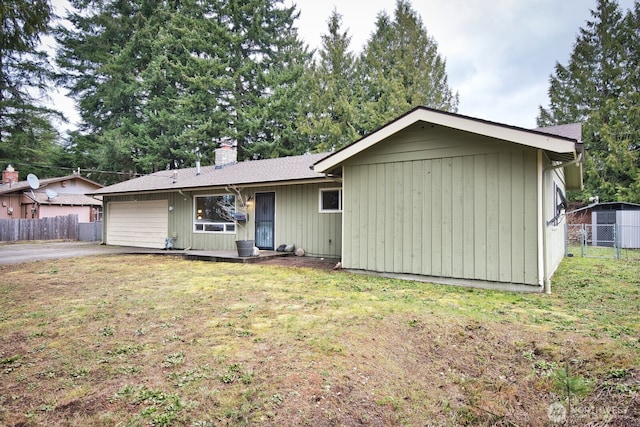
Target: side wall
(83,212)
(436,202)
(555,240)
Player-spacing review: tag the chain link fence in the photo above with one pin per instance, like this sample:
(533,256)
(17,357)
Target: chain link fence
(603,241)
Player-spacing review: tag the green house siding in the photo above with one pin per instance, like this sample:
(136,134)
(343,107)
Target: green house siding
(297,219)
(441,203)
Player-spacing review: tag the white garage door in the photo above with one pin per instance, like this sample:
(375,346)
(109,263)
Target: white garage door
(142,224)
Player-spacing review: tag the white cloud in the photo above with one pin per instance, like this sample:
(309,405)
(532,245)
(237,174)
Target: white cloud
(500,53)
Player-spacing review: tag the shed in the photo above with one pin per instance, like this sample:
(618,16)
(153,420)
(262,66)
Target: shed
(616,223)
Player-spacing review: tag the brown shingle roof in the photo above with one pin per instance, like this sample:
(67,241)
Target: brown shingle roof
(24,185)
(260,172)
(572,131)
(64,199)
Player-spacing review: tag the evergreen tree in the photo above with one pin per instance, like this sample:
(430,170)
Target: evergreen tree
(401,68)
(27,137)
(630,98)
(332,107)
(599,88)
(162,82)
(266,62)
(103,79)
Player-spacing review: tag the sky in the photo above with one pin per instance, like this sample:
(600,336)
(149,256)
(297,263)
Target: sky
(499,53)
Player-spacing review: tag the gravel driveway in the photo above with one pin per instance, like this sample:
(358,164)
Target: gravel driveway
(14,253)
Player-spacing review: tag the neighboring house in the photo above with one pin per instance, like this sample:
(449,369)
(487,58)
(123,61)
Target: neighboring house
(54,197)
(431,195)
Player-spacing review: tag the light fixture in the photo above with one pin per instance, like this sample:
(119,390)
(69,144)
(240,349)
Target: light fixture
(170,208)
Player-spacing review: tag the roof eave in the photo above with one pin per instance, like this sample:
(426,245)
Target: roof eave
(213,187)
(536,139)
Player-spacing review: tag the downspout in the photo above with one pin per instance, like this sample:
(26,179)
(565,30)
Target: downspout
(546,279)
(104,223)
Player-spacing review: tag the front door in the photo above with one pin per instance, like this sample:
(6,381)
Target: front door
(265,219)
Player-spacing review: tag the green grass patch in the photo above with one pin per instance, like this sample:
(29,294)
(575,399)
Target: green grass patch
(143,340)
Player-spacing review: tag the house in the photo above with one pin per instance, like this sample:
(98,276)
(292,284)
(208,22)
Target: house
(53,197)
(288,203)
(431,195)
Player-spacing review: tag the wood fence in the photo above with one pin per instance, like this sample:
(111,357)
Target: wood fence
(56,228)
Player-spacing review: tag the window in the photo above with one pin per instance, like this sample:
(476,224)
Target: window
(97,213)
(210,217)
(330,200)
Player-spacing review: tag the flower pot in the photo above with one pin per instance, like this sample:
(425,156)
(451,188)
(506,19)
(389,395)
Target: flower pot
(245,247)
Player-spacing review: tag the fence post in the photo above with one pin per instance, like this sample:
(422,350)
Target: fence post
(583,238)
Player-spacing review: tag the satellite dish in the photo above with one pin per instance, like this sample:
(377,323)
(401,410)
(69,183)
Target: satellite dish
(33,181)
(50,193)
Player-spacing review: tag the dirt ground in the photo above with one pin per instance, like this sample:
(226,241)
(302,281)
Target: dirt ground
(304,261)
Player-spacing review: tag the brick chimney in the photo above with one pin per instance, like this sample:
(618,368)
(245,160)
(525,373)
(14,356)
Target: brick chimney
(225,155)
(9,176)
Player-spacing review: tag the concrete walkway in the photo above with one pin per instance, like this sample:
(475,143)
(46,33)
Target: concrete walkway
(15,253)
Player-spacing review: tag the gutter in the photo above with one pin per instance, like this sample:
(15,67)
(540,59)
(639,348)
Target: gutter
(333,177)
(546,280)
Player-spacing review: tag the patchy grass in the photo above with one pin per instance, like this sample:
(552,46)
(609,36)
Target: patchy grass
(143,340)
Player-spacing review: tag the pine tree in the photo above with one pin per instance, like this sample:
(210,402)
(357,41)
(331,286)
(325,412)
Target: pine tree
(630,98)
(266,62)
(332,107)
(599,88)
(161,82)
(26,133)
(99,68)
(401,69)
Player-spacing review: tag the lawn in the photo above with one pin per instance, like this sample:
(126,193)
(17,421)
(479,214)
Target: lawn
(144,340)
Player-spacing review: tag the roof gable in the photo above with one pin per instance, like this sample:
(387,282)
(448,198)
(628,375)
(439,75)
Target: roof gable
(24,185)
(559,147)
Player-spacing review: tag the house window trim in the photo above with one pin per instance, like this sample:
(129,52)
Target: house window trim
(230,228)
(340,202)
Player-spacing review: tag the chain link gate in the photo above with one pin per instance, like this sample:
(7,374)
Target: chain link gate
(603,241)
